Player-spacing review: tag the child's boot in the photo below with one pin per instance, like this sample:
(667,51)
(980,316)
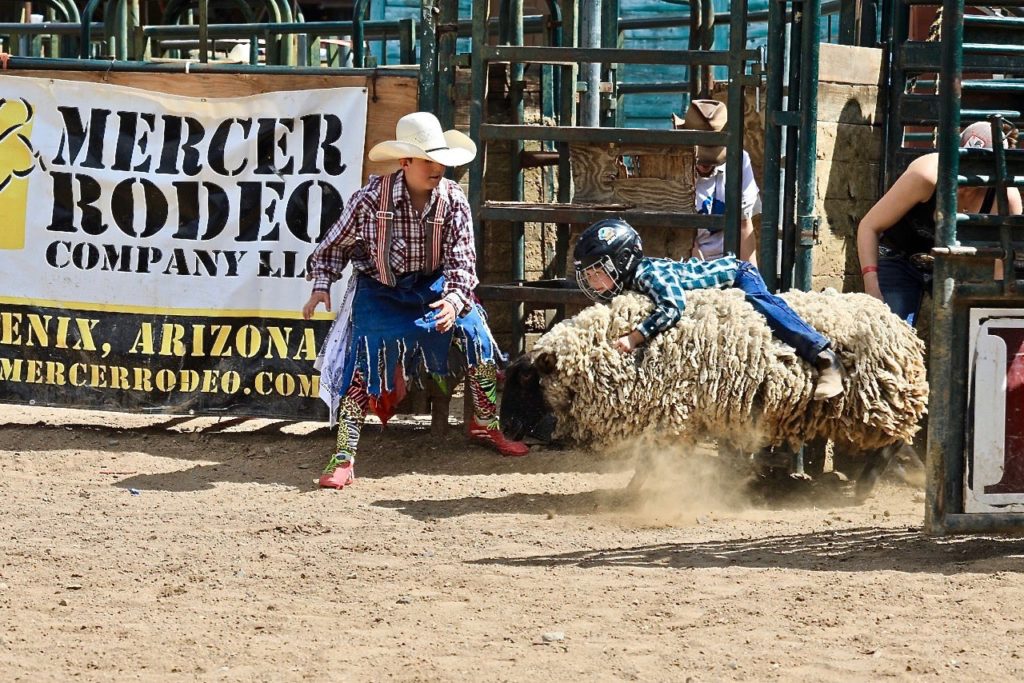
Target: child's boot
(830,381)
(339,473)
(492,437)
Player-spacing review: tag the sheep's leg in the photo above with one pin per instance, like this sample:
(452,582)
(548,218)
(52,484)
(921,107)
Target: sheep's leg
(642,472)
(874,467)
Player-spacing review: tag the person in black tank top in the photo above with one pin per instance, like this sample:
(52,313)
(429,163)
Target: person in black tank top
(895,238)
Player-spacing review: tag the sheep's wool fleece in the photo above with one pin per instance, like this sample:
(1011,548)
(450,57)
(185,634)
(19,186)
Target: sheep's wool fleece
(720,374)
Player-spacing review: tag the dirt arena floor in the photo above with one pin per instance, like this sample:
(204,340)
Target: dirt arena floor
(176,549)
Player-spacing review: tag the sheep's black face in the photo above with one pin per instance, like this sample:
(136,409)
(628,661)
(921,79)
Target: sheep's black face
(524,412)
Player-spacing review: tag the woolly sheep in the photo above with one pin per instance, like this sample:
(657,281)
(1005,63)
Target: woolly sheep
(720,374)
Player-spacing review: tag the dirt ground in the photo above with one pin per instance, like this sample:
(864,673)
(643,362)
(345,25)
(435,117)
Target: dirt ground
(156,548)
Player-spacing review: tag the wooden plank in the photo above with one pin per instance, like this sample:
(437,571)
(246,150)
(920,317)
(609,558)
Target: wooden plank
(848,180)
(840,217)
(849,64)
(848,142)
(663,180)
(856,104)
(390,97)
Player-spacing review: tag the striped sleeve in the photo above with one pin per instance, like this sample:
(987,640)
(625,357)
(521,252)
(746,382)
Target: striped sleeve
(459,253)
(325,265)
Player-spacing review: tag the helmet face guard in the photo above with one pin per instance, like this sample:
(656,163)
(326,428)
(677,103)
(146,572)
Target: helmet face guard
(606,257)
(603,266)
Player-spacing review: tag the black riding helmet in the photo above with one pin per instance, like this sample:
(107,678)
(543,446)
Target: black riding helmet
(610,246)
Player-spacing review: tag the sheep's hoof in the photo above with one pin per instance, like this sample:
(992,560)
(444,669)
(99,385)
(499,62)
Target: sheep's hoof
(874,467)
(640,477)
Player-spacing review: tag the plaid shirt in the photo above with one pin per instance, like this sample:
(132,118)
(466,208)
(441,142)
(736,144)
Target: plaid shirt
(666,282)
(353,239)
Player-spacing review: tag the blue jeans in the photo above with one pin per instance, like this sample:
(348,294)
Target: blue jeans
(902,286)
(786,325)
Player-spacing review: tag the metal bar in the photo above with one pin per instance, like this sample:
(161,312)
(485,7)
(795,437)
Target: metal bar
(1003,204)
(646,88)
(42,63)
(694,44)
(359,10)
(610,38)
(63,28)
(204,38)
(407,41)
(848,22)
(721,18)
(86,32)
(990,522)
(590,72)
(923,57)
(525,293)
(945,428)
(922,109)
(734,150)
(707,41)
(949,122)
(478,95)
(993,48)
(987,85)
(768,258)
(895,76)
(573,213)
(807,222)
(494,131)
(789,236)
(446,41)
(985,220)
(980,20)
(428,55)
(975,180)
(517,86)
(576,55)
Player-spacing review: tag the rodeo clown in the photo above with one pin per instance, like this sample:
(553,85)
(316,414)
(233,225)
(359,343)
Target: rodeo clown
(410,302)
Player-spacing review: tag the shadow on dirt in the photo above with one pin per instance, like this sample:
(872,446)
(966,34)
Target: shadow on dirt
(854,550)
(265,453)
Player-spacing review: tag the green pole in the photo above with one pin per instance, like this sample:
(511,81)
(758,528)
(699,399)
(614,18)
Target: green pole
(204,38)
(768,258)
(807,222)
(734,152)
(428,56)
(476,115)
(945,404)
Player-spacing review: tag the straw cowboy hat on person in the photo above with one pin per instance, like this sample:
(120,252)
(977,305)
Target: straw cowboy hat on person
(419,136)
(705,115)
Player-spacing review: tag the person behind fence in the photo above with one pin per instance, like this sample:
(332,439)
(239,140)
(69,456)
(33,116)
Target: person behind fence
(409,305)
(895,238)
(709,184)
(609,259)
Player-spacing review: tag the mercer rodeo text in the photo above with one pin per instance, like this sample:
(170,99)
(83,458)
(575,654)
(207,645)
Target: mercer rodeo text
(166,381)
(42,334)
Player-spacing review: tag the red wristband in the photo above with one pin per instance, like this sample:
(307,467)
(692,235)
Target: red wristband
(868,269)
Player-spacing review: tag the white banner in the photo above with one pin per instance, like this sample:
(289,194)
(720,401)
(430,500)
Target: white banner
(120,199)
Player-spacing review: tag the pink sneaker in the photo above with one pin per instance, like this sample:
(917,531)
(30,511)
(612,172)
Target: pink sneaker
(341,476)
(493,438)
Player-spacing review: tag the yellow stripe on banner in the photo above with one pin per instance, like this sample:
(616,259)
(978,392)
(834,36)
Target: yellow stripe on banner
(193,312)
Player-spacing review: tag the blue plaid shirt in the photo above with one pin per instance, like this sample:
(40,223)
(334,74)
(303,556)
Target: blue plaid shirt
(666,282)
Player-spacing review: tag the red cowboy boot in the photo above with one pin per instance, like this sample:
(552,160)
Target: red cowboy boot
(493,438)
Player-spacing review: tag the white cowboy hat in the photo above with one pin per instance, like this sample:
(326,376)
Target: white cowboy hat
(419,136)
